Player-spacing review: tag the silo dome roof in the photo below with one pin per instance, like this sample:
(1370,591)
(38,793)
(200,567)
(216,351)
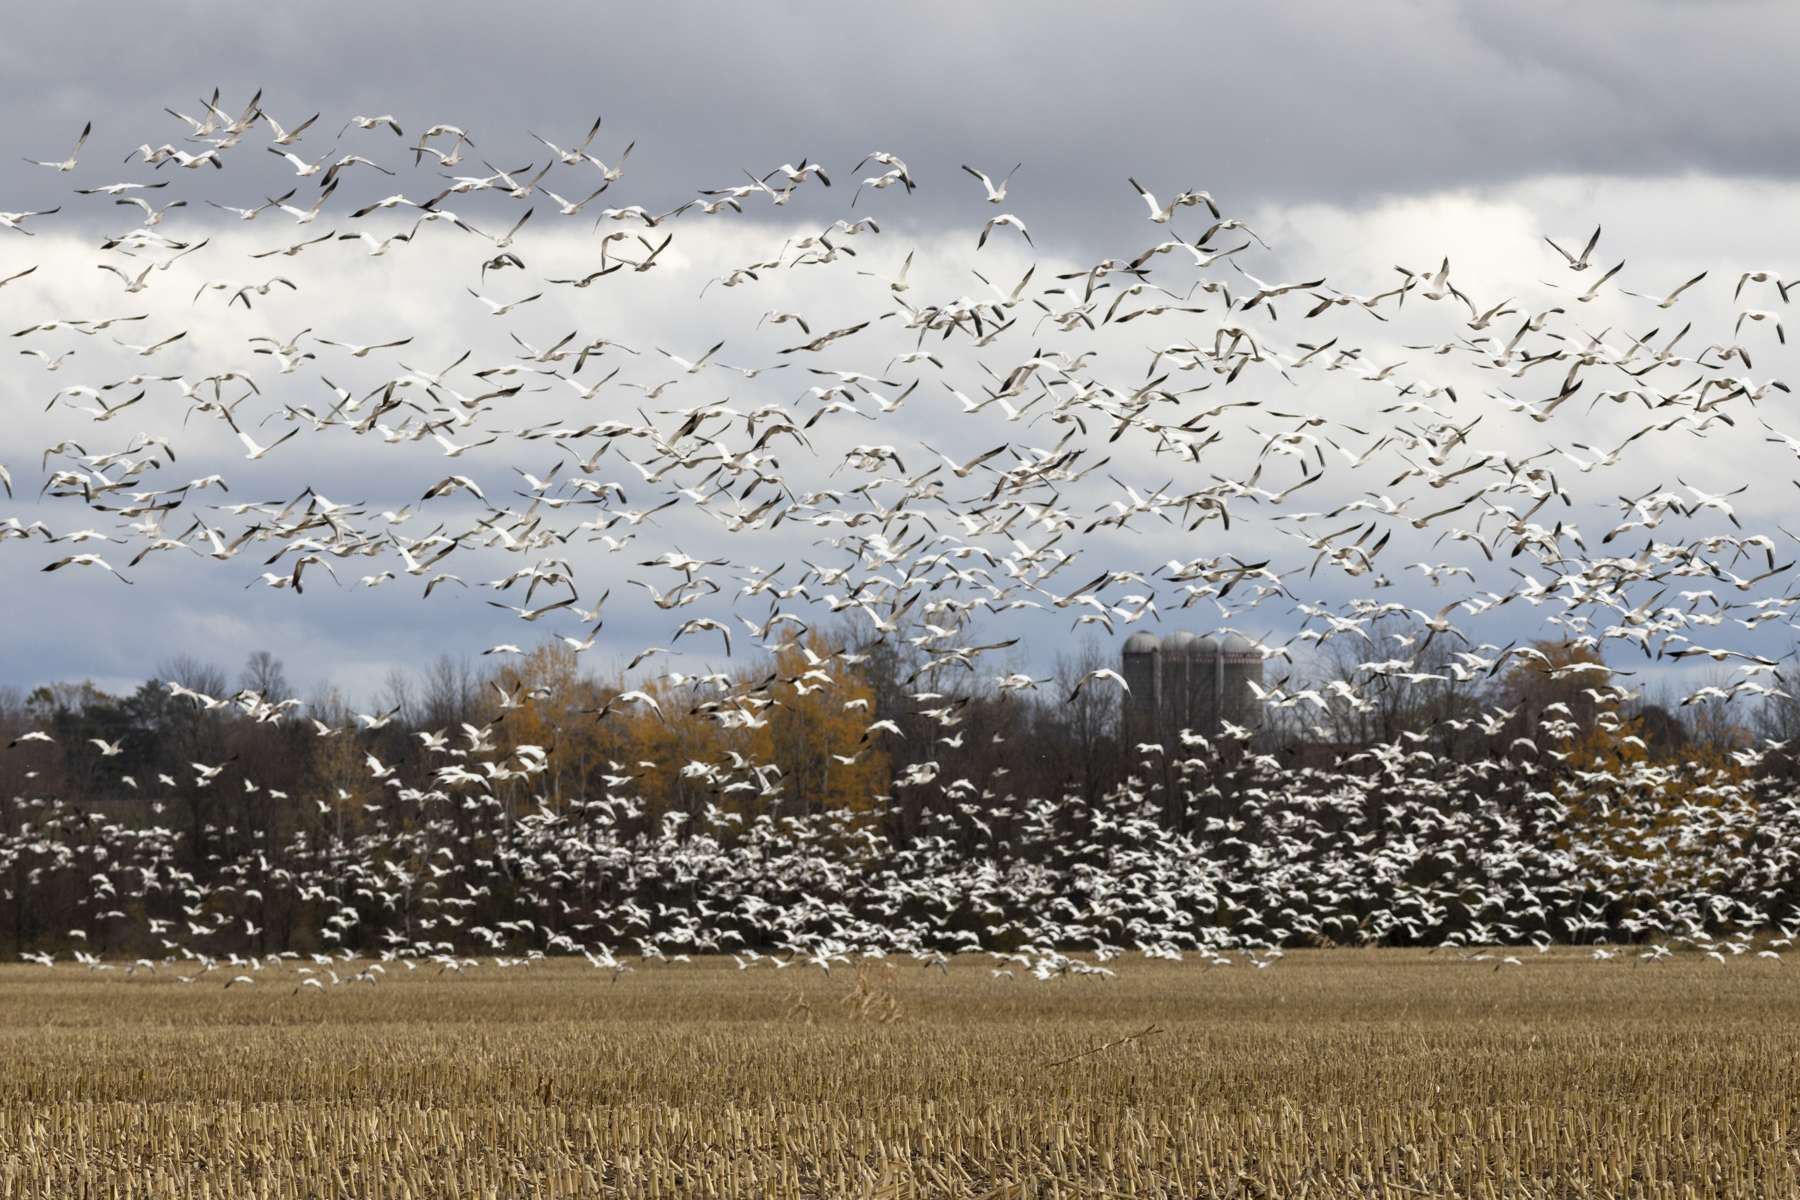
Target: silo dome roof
(1237,643)
(1142,642)
(1204,647)
(1179,642)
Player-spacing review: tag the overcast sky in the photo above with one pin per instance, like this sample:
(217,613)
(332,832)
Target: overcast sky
(1352,137)
(1324,102)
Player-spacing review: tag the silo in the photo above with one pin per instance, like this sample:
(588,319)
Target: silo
(1202,685)
(1184,681)
(1141,663)
(1240,663)
(1178,677)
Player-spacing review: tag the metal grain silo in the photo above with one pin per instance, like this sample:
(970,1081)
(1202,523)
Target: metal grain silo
(1199,704)
(1179,676)
(1239,664)
(1184,681)
(1141,666)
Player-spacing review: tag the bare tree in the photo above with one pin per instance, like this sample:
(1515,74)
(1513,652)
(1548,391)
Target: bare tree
(1091,721)
(264,675)
(1712,720)
(397,693)
(450,692)
(193,674)
(1426,693)
(197,735)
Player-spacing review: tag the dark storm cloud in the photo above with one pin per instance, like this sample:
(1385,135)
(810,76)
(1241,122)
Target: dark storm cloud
(1255,102)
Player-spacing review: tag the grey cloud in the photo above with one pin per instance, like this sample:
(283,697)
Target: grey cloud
(1255,102)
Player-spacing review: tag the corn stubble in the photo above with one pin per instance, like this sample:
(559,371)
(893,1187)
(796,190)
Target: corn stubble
(1361,1074)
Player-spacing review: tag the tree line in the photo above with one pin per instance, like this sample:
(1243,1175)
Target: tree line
(823,725)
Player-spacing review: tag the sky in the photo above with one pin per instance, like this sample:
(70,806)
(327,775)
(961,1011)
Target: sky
(1351,138)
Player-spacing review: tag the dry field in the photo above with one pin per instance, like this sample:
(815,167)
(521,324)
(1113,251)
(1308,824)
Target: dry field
(1334,1074)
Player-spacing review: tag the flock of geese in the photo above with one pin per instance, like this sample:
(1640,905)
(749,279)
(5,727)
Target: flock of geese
(1390,848)
(1101,445)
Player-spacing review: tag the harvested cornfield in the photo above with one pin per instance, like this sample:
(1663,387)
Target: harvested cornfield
(1328,1074)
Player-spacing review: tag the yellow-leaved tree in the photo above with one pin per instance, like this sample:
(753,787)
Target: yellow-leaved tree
(546,697)
(813,727)
(787,734)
